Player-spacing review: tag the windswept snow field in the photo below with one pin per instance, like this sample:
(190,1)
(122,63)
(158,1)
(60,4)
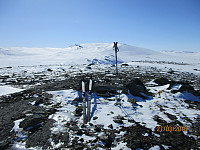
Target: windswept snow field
(98,53)
(41,104)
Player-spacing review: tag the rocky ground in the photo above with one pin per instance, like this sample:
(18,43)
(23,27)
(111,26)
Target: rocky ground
(28,109)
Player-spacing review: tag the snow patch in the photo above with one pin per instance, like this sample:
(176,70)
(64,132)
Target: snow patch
(4,90)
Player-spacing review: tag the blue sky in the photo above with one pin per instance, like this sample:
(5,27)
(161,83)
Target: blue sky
(153,24)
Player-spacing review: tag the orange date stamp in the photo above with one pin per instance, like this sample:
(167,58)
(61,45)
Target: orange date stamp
(171,128)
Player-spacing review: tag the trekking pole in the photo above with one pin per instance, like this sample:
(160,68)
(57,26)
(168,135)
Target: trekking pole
(89,100)
(84,102)
(116,49)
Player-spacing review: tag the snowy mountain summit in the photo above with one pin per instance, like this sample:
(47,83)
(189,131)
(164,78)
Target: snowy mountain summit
(95,53)
(76,54)
(101,53)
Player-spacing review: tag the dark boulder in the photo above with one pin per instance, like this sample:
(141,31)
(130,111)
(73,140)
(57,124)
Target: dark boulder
(108,138)
(171,71)
(39,101)
(91,124)
(88,67)
(136,88)
(88,132)
(159,120)
(162,81)
(32,123)
(105,91)
(193,104)
(91,64)
(190,89)
(49,70)
(78,111)
(98,128)
(170,116)
(80,132)
(124,65)
(132,101)
(110,126)
(172,83)
(118,119)
(95,118)
(41,137)
(185,87)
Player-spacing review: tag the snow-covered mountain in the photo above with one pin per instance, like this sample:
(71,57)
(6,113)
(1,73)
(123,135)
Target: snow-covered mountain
(80,54)
(76,54)
(97,53)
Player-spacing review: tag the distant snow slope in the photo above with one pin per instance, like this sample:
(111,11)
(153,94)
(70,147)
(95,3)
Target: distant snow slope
(98,53)
(190,57)
(8,90)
